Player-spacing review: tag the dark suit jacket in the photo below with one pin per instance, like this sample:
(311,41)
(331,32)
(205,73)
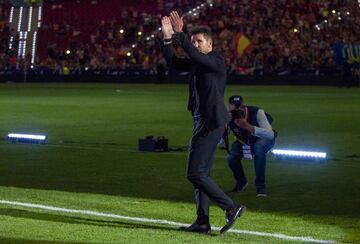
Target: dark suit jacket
(209,71)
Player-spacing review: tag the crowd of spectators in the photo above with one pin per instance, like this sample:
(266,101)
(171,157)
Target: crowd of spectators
(101,43)
(4,34)
(119,37)
(287,36)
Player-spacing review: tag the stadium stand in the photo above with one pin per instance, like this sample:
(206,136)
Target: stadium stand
(4,35)
(284,36)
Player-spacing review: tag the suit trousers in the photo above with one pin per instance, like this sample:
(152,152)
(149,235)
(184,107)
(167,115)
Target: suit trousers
(201,153)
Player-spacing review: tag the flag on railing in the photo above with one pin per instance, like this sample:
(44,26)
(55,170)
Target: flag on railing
(242,44)
(346,52)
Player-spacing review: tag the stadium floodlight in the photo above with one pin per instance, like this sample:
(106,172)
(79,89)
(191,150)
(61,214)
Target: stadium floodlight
(11,42)
(30,17)
(33,49)
(39,16)
(20,19)
(26,138)
(11,14)
(303,155)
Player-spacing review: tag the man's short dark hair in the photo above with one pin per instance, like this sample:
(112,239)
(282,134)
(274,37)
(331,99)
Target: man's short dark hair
(205,30)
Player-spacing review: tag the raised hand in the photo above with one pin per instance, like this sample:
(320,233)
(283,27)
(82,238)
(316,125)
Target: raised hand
(166,27)
(243,124)
(177,22)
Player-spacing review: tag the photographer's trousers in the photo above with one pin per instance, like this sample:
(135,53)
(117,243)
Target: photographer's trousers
(201,153)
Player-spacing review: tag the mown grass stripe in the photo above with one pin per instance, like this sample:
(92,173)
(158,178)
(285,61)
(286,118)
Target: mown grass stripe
(159,221)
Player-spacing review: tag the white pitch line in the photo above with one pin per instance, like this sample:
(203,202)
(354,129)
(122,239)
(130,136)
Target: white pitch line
(160,221)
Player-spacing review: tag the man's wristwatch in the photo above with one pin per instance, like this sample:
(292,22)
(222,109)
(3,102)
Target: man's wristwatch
(167,41)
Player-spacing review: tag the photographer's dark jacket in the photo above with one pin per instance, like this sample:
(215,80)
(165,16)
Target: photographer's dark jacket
(262,128)
(207,83)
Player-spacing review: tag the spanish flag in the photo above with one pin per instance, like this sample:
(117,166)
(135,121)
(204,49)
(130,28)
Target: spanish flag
(241,44)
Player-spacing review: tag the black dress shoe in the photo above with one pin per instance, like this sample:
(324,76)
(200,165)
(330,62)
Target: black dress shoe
(231,216)
(197,228)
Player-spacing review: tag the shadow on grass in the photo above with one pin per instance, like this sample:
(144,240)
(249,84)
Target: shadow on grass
(17,213)
(26,241)
(300,190)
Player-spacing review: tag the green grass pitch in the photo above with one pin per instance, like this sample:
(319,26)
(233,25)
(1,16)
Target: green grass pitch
(91,162)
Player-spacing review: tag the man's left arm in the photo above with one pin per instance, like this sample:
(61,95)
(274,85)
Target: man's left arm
(264,130)
(213,62)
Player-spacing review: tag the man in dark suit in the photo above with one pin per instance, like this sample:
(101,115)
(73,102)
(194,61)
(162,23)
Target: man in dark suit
(206,103)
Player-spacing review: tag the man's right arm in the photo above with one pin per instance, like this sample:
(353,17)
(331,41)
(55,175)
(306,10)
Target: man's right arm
(180,64)
(168,49)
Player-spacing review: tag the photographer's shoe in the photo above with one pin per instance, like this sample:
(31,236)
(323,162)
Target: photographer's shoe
(240,187)
(261,192)
(231,215)
(197,228)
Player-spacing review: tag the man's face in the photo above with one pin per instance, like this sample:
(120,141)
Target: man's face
(204,45)
(232,107)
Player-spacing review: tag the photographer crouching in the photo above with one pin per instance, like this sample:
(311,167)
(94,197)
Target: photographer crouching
(255,137)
